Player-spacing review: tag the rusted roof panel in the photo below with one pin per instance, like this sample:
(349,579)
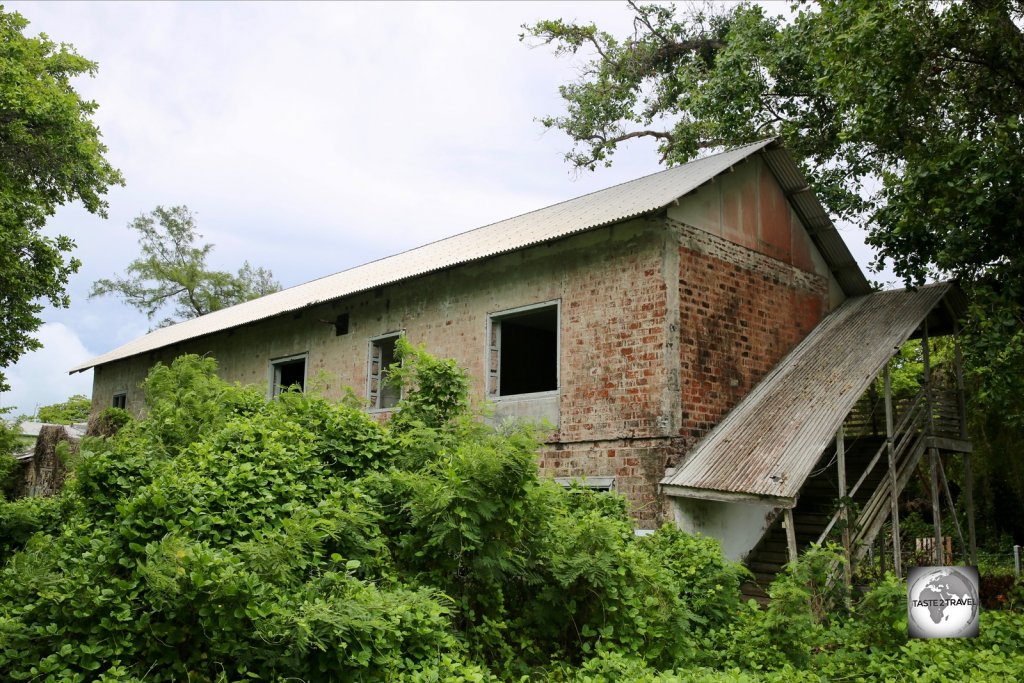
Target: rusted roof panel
(768,444)
(816,220)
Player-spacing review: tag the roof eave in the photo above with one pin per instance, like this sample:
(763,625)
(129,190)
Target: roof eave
(675,491)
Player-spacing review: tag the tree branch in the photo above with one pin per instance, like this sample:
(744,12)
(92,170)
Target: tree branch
(663,135)
(640,16)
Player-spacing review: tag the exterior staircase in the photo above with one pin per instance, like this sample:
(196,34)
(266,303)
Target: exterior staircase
(815,509)
(817,516)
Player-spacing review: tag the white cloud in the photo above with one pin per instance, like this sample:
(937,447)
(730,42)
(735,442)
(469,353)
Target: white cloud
(41,378)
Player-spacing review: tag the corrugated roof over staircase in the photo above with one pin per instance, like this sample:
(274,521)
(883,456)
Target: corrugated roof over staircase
(768,444)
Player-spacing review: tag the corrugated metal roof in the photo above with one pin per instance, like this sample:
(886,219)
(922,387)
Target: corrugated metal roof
(605,207)
(768,444)
(33,428)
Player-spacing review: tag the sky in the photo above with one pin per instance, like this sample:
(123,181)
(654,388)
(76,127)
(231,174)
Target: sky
(308,138)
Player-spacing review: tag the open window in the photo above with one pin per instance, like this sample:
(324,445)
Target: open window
(523,353)
(120,400)
(600,484)
(382,395)
(286,373)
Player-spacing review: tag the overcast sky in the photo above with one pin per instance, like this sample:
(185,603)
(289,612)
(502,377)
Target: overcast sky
(308,138)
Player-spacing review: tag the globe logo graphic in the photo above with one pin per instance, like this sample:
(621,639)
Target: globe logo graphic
(942,602)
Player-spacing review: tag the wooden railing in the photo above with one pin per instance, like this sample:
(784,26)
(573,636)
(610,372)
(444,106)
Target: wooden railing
(868,415)
(908,443)
(910,439)
(947,414)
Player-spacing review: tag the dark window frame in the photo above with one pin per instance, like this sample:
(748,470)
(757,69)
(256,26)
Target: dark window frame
(278,366)
(380,356)
(546,381)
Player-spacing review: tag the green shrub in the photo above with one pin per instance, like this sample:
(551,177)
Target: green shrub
(8,475)
(225,537)
(435,390)
(708,585)
(21,519)
(9,442)
(109,421)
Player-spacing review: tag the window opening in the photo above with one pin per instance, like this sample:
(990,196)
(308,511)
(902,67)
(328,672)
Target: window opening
(382,395)
(120,400)
(524,351)
(289,372)
(601,484)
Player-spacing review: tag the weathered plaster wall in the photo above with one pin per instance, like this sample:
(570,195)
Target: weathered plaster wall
(610,287)
(739,526)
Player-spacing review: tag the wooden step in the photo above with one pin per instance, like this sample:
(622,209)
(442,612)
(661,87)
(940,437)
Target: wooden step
(811,521)
(778,557)
(816,506)
(761,567)
(754,591)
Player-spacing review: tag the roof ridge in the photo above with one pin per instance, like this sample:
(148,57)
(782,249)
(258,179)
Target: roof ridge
(589,211)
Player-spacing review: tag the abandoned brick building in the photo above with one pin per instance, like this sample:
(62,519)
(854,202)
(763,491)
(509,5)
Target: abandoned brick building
(633,319)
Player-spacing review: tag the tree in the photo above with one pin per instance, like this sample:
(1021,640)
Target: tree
(50,155)
(76,409)
(172,270)
(907,115)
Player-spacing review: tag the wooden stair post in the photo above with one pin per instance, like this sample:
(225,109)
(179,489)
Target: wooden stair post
(961,399)
(933,453)
(790,534)
(894,495)
(844,508)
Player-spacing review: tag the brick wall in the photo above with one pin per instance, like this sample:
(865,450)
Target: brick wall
(618,390)
(737,312)
(740,312)
(663,328)
(614,333)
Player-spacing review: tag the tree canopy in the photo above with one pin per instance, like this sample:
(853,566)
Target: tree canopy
(906,115)
(50,155)
(76,409)
(172,271)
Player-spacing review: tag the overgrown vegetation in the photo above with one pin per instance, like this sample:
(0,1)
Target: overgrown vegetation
(9,443)
(228,538)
